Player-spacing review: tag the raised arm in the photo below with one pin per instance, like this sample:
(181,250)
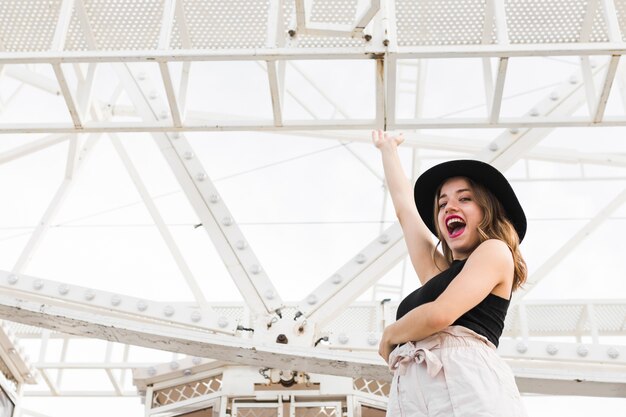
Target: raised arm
(416,234)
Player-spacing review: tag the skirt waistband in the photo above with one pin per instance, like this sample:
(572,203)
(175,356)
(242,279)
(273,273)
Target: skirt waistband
(421,351)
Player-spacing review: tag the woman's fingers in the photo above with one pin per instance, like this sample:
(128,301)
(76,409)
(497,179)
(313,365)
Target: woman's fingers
(380,137)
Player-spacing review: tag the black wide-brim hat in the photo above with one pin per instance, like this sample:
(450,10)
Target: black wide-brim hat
(427,184)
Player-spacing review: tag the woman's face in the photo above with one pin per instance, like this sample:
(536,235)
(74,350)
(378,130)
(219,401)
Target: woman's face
(459,216)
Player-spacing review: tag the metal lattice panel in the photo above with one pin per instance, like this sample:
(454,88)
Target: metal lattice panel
(330,11)
(316,411)
(117,24)
(172,395)
(372,386)
(611,318)
(27,25)
(551,21)
(355,318)
(311,41)
(256,412)
(438,22)
(223,24)
(620,9)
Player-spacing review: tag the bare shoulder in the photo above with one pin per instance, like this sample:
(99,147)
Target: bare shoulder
(494,253)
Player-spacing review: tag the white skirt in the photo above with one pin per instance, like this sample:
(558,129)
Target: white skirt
(453,373)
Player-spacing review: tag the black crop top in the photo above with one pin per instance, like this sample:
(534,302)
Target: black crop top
(486,318)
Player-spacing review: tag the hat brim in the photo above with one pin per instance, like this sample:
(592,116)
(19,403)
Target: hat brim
(427,184)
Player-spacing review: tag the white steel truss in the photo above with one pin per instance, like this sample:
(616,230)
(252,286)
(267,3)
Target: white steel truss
(83,42)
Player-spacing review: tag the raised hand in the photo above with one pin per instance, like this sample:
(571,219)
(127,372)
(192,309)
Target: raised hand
(385,139)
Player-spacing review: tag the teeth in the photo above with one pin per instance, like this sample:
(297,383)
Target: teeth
(454,220)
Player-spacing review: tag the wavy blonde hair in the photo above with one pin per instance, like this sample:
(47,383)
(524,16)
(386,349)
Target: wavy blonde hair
(494,225)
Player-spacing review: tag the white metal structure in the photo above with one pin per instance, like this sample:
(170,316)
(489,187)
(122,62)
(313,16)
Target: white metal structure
(152,94)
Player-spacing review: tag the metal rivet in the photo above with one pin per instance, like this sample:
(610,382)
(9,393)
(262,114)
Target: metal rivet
(90,295)
(521,347)
(336,279)
(269,294)
(164,115)
(38,284)
(383,239)
(116,300)
(554,96)
(152,95)
(613,353)
(534,112)
(227,221)
(582,350)
(222,322)
(188,155)
(168,311)
(255,269)
(152,371)
(493,147)
(214,198)
(573,79)
(196,360)
(174,365)
(514,131)
(240,244)
(343,338)
(360,258)
(141,76)
(372,339)
(63,289)
(187,372)
(196,316)
(201,176)
(311,299)
(552,349)
(12,279)
(142,306)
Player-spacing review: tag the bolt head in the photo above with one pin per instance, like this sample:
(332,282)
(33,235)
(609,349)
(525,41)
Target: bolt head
(311,299)
(116,300)
(552,349)
(360,258)
(12,279)
(222,322)
(38,284)
(90,295)
(521,347)
(582,351)
(343,338)
(142,306)
(63,289)
(336,279)
(168,311)
(195,316)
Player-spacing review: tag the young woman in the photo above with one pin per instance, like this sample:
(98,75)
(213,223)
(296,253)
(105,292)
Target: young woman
(442,348)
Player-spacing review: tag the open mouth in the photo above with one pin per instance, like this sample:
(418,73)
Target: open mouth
(455,225)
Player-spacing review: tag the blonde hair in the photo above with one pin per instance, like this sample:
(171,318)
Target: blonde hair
(494,225)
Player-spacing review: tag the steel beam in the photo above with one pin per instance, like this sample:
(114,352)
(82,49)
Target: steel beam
(241,262)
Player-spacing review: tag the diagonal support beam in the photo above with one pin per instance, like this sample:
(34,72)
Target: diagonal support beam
(159,222)
(233,248)
(606,88)
(67,96)
(572,243)
(354,277)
